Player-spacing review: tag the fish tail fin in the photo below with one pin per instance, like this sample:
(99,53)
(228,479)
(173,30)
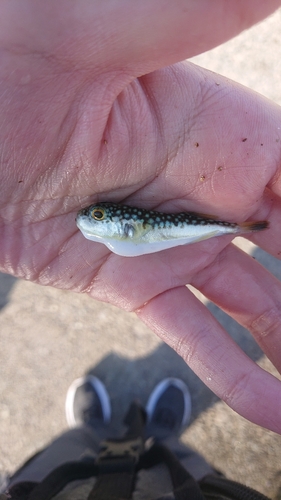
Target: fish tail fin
(248,227)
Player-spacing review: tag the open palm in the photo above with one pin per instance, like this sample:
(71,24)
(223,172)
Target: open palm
(84,119)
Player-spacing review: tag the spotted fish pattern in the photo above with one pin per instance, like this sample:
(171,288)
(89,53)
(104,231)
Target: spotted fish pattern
(131,231)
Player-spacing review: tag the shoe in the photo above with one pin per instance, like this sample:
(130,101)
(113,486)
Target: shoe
(168,408)
(87,403)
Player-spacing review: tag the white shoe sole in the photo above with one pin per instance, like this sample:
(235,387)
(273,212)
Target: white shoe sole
(101,392)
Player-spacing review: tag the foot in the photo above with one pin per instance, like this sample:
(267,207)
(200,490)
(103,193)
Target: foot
(87,403)
(168,408)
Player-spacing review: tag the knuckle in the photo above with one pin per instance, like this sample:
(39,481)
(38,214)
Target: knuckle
(266,324)
(237,394)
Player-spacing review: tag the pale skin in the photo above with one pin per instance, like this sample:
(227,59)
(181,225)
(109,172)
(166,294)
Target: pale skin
(80,123)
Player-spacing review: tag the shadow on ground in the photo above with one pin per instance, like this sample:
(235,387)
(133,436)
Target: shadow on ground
(127,380)
(6,284)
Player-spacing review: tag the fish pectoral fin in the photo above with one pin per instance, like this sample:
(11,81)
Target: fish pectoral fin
(129,230)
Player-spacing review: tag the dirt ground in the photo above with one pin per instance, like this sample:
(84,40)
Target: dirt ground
(49,337)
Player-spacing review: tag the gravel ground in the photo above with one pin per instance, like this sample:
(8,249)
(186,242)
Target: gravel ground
(49,337)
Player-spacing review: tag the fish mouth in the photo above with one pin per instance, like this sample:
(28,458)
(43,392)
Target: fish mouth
(84,212)
(78,216)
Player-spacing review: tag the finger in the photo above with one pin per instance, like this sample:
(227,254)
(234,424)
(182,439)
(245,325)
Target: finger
(246,291)
(270,209)
(139,34)
(188,327)
(178,30)
(130,282)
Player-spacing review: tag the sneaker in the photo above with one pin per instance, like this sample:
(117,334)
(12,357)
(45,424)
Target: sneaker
(87,403)
(168,408)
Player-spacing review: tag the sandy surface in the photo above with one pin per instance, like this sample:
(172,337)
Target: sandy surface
(49,337)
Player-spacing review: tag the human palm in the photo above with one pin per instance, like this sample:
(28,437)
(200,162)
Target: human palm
(80,123)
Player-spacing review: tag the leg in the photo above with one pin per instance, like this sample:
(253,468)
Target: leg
(169,410)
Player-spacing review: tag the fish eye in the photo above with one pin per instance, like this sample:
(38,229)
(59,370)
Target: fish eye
(98,214)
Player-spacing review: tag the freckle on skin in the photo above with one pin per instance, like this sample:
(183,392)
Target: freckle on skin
(202,178)
(220,169)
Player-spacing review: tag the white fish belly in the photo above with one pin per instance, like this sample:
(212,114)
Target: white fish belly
(156,241)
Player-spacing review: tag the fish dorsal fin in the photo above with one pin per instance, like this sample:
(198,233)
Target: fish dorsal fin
(204,216)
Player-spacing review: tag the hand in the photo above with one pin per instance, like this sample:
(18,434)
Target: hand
(79,123)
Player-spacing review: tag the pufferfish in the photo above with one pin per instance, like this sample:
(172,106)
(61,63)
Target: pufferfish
(131,231)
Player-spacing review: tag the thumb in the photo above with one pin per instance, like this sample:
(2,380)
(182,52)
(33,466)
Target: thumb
(150,35)
(138,36)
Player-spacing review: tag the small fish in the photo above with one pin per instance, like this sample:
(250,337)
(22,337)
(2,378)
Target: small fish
(130,231)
